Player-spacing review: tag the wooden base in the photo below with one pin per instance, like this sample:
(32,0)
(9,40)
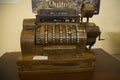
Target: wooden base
(56,63)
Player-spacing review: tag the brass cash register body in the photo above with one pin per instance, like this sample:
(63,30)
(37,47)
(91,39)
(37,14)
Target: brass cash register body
(59,40)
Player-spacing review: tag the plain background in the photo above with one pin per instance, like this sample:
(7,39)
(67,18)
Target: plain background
(12,15)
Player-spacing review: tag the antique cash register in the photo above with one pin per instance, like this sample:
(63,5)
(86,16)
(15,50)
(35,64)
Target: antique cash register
(60,38)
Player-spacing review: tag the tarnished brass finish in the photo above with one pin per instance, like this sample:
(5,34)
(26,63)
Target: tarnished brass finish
(87,10)
(46,34)
(59,39)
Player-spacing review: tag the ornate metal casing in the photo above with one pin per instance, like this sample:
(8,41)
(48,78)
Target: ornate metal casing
(59,25)
(61,36)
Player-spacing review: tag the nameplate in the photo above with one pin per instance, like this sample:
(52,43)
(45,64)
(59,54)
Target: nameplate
(40,58)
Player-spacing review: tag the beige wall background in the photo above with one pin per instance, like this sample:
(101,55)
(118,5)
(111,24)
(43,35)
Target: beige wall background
(12,15)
